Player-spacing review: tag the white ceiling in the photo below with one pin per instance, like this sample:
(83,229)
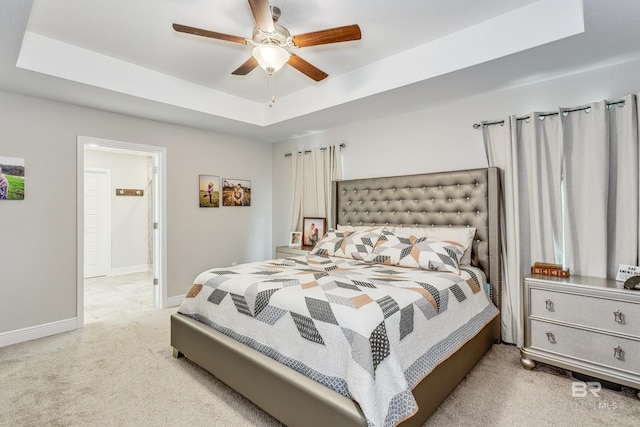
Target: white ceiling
(123,56)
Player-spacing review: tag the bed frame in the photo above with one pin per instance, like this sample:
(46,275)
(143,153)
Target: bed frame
(460,198)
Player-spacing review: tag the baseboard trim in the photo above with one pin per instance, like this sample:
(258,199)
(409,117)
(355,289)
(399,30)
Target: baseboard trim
(38,331)
(118,271)
(175,301)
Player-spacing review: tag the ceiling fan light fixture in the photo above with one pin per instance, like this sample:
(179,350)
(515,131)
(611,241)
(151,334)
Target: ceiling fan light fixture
(271,57)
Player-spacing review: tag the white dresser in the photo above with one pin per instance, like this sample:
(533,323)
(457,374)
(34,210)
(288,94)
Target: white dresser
(287,251)
(584,324)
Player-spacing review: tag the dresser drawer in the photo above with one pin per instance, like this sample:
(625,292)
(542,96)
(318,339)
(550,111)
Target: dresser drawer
(586,345)
(586,311)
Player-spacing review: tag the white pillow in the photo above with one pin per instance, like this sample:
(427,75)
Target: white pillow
(360,227)
(461,235)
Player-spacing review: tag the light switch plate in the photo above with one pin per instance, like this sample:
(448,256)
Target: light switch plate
(625,271)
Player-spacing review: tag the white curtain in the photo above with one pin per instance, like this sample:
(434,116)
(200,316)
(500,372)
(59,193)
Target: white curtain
(529,156)
(571,190)
(312,175)
(601,185)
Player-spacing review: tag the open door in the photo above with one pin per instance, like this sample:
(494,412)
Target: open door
(96,220)
(158,205)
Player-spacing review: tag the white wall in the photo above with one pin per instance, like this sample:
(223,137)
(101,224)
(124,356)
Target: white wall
(129,214)
(441,138)
(38,235)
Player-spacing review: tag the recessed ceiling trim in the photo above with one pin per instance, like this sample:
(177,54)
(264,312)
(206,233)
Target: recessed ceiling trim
(533,25)
(503,35)
(49,56)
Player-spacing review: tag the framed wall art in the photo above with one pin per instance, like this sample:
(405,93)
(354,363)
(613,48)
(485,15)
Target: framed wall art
(11,178)
(209,190)
(236,192)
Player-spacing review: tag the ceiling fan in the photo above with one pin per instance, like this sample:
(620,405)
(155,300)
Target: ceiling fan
(272,42)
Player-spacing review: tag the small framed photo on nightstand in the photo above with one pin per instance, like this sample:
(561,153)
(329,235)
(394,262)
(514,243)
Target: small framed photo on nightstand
(295,239)
(313,229)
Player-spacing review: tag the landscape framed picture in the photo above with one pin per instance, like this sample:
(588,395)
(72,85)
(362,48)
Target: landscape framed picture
(11,178)
(313,228)
(209,191)
(236,192)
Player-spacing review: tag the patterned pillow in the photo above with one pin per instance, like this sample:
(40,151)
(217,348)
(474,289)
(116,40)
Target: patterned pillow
(348,244)
(417,252)
(462,235)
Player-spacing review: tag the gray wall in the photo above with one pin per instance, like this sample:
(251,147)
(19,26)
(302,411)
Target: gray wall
(441,138)
(38,235)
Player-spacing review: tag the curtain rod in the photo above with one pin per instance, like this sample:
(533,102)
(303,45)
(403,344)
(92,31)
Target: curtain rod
(342,145)
(587,109)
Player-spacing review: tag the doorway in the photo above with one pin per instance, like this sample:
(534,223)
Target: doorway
(94,251)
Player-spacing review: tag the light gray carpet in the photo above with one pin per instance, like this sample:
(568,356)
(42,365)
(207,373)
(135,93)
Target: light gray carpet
(121,372)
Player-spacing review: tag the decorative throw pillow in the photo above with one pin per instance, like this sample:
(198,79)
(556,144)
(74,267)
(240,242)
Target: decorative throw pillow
(348,244)
(461,235)
(417,252)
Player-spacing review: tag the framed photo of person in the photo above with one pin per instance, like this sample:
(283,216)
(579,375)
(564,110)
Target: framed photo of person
(11,178)
(209,191)
(313,228)
(236,192)
(295,239)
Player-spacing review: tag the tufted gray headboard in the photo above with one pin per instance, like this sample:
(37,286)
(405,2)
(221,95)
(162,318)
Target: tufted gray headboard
(458,198)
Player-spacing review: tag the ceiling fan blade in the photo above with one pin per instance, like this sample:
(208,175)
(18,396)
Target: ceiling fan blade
(206,33)
(306,68)
(332,35)
(262,15)
(247,67)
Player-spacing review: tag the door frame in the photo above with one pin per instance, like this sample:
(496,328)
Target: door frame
(159,155)
(106,218)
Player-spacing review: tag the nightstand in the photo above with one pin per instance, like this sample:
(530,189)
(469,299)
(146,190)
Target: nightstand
(583,324)
(287,251)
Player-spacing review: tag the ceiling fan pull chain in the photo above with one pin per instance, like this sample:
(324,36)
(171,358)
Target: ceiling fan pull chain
(271,87)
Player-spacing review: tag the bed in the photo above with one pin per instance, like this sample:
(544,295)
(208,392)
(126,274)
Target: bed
(449,199)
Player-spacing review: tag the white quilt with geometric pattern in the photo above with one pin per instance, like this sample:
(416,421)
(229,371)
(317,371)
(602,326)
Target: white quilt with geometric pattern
(368,331)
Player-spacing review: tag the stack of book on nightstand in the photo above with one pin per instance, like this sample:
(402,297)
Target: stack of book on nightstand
(549,269)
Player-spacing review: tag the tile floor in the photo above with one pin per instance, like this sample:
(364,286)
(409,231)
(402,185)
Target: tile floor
(113,296)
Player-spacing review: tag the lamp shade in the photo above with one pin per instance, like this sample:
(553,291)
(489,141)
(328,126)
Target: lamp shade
(271,57)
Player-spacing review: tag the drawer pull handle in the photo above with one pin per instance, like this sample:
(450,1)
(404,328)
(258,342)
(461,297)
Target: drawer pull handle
(617,352)
(549,304)
(617,316)
(550,337)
